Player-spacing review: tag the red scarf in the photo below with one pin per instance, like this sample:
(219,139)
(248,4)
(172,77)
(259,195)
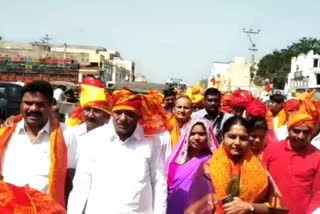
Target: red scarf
(58,157)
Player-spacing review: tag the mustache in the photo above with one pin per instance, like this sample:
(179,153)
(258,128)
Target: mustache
(34,114)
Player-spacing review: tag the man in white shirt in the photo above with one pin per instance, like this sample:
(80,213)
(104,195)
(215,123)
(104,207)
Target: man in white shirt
(38,150)
(58,93)
(120,171)
(94,109)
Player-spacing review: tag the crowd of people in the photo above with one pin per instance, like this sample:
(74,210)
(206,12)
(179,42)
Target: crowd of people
(161,152)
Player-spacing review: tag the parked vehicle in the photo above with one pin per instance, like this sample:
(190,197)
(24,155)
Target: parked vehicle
(12,93)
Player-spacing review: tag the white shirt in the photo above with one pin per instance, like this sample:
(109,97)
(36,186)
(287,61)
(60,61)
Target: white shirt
(164,139)
(27,162)
(281,132)
(116,177)
(316,143)
(58,95)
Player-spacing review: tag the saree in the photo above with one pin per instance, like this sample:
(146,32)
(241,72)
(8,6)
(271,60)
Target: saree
(256,184)
(181,172)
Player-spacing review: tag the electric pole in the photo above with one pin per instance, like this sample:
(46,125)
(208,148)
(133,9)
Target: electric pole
(45,40)
(254,49)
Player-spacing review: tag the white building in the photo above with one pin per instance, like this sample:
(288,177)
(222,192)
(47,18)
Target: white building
(304,73)
(230,76)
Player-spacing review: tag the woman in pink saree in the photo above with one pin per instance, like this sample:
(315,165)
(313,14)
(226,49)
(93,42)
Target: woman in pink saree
(194,149)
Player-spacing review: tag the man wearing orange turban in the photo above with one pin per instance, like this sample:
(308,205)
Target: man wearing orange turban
(94,109)
(226,103)
(127,168)
(294,165)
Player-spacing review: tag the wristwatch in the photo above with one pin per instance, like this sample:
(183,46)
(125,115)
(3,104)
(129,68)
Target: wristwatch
(251,208)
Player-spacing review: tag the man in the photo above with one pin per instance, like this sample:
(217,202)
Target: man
(169,99)
(276,116)
(240,100)
(212,103)
(256,110)
(94,109)
(294,165)
(37,150)
(181,115)
(124,171)
(58,93)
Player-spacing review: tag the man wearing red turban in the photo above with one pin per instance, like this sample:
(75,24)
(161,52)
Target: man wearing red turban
(94,109)
(294,165)
(256,109)
(240,100)
(124,171)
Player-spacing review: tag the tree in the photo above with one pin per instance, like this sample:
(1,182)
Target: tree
(276,65)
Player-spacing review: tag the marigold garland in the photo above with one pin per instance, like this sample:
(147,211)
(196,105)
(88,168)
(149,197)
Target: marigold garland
(253,177)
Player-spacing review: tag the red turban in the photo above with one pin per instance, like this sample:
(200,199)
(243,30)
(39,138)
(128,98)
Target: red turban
(93,95)
(126,100)
(291,105)
(241,98)
(256,109)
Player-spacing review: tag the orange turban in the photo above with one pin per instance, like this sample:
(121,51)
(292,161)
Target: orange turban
(309,105)
(241,98)
(153,115)
(126,100)
(300,118)
(291,105)
(256,109)
(155,96)
(226,103)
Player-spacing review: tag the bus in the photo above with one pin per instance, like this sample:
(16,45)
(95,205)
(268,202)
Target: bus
(177,84)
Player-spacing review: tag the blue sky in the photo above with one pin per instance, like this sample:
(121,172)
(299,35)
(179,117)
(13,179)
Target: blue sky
(165,38)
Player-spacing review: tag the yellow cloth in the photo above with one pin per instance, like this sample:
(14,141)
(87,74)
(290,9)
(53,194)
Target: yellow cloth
(195,94)
(282,118)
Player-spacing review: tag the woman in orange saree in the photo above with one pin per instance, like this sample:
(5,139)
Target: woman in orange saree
(240,181)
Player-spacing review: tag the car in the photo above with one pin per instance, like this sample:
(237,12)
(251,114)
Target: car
(10,95)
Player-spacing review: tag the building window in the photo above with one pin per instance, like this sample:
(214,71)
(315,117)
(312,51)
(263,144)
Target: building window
(318,79)
(315,63)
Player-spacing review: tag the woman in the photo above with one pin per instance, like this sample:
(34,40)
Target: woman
(257,133)
(237,173)
(194,148)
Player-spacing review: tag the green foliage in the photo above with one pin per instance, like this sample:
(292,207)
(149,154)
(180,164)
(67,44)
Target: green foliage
(276,66)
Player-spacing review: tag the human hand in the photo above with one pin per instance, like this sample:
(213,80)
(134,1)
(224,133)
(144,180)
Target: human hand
(237,206)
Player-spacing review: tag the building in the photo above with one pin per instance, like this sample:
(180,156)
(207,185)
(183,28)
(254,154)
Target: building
(97,61)
(304,73)
(230,76)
